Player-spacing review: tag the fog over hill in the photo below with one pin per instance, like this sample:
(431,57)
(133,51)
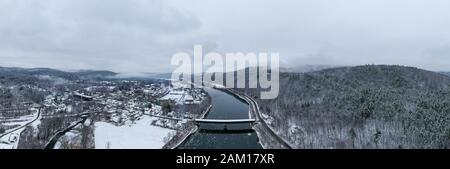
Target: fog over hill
(306,68)
(372,106)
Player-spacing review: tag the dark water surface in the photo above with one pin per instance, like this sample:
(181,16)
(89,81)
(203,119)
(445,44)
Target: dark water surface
(220,136)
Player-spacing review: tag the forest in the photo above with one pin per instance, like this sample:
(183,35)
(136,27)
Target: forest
(371,106)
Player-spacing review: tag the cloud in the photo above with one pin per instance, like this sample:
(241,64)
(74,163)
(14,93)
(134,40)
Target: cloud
(338,32)
(121,35)
(142,35)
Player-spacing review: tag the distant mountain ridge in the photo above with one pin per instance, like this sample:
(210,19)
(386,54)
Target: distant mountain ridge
(445,73)
(84,74)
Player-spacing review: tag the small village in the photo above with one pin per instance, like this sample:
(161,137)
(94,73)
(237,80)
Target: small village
(83,108)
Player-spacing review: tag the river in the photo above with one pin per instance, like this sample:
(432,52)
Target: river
(220,136)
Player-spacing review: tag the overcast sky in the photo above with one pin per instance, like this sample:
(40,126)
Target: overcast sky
(142,35)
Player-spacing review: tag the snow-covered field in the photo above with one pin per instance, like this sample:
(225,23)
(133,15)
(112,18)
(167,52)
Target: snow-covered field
(140,135)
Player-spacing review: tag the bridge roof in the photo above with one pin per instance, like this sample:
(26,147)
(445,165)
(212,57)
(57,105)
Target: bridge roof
(225,120)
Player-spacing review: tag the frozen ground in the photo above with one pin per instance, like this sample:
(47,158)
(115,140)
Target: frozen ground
(10,139)
(140,135)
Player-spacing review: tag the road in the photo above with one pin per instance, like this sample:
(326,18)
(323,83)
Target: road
(166,117)
(64,115)
(18,128)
